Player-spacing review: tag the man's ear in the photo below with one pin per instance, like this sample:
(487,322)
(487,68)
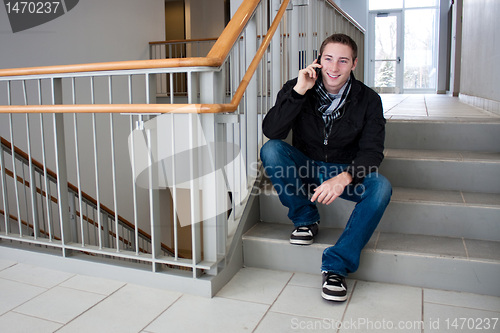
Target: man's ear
(354,64)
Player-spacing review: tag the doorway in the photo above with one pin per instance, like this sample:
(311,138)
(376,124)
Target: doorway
(403,46)
(386,67)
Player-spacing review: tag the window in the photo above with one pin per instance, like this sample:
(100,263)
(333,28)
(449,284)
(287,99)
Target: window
(420,3)
(399,4)
(385,4)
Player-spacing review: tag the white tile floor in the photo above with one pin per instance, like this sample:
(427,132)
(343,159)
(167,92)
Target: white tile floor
(37,299)
(430,107)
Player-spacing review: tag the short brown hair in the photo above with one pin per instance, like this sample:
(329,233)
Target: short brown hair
(341,39)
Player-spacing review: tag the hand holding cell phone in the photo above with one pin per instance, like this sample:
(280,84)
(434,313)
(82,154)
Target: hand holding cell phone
(318,61)
(308,76)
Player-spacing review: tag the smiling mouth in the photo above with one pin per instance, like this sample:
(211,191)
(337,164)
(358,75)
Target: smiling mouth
(333,76)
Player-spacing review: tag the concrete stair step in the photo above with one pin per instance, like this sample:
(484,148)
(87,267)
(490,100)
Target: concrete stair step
(411,211)
(447,134)
(443,170)
(426,261)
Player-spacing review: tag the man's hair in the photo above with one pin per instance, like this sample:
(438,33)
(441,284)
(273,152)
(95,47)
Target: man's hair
(341,39)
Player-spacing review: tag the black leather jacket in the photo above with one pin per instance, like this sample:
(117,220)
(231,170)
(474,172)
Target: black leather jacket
(357,138)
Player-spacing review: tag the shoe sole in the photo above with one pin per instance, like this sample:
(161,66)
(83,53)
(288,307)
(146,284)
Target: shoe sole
(334,298)
(301,242)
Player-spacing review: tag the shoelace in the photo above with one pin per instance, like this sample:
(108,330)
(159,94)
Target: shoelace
(305,229)
(334,279)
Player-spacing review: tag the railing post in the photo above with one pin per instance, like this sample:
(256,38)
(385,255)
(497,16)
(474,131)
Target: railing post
(211,190)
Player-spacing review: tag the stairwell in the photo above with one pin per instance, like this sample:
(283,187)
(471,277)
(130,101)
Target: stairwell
(442,227)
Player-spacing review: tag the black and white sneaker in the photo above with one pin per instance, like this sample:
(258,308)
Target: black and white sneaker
(304,235)
(334,287)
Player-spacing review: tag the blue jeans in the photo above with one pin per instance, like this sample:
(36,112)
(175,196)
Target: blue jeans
(294,175)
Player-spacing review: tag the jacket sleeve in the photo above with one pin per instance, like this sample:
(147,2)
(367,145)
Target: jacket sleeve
(371,142)
(280,118)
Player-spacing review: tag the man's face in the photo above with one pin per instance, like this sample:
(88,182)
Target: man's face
(337,64)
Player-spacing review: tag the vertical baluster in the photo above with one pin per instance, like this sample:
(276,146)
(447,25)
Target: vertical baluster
(113,170)
(14,171)
(113,162)
(4,192)
(92,90)
(96,171)
(78,174)
(174,189)
(153,203)
(171,77)
(34,206)
(134,186)
(148,92)
(192,189)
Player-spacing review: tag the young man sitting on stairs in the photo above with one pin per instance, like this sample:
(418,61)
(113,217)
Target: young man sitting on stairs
(338,131)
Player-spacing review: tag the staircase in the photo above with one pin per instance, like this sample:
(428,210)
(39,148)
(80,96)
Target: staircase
(442,227)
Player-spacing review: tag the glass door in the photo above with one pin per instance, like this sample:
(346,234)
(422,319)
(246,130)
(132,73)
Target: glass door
(420,51)
(386,52)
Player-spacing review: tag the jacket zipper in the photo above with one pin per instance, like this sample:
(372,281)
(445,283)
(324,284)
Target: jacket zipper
(325,143)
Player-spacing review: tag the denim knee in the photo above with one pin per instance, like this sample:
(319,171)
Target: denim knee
(381,188)
(271,150)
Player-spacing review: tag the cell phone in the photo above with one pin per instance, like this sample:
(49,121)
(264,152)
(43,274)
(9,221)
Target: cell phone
(318,70)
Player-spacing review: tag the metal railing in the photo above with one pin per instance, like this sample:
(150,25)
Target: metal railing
(177,49)
(32,186)
(182,171)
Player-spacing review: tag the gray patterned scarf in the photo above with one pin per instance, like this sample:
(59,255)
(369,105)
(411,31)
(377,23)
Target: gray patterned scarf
(330,105)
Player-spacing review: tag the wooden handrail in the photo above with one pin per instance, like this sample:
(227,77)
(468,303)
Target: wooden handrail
(169,108)
(215,58)
(114,108)
(233,30)
(112,66)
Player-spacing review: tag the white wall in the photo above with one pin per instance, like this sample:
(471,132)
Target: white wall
(93,31)
(480,72)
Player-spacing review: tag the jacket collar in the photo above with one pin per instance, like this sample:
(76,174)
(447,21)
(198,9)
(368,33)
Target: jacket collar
(355,89)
